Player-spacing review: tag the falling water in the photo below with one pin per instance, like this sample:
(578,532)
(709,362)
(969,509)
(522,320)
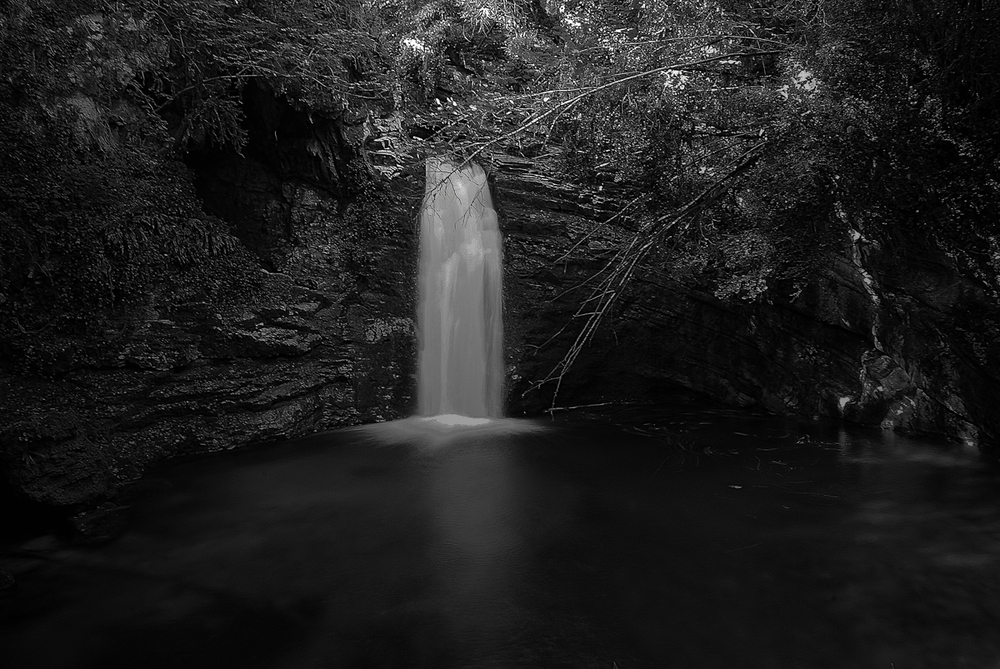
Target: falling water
(460,367)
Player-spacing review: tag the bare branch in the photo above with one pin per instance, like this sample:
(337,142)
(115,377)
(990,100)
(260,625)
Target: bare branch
(619,271)
(566,104)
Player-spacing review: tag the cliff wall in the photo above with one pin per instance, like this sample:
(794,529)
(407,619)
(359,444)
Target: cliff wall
(297,313)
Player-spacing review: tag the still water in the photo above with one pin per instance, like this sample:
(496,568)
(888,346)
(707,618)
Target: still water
(690,537)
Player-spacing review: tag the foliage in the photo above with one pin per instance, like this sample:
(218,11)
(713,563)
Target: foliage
(875,116)
(748,139)
(320,54)
(99,100)
(751,140)
(96,214)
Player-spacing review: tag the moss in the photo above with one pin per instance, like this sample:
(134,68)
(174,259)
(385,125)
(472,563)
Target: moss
(96,217)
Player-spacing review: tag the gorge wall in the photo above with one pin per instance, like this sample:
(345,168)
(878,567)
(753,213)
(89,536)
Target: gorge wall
(879,336)
(326,206)
(325,338)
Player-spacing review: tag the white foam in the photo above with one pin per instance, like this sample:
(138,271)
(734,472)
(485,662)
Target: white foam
(436,431)
(454,420)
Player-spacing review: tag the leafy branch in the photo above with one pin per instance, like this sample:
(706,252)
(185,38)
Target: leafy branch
(564,105)
(618,273)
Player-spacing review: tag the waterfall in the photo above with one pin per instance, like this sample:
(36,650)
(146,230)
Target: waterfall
(460,366)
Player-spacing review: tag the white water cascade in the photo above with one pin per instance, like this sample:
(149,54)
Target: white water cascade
(460,365)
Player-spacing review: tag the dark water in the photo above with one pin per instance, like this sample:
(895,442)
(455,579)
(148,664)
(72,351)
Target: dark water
(693,538)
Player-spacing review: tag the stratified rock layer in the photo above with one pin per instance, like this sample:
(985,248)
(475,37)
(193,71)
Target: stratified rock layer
(869,338)
(328,341)
(331,341)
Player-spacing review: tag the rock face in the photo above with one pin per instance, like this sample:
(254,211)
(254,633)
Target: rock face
(870,338)
(187,385)
(330,341)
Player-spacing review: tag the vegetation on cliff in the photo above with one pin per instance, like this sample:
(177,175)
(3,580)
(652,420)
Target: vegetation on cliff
(746,142)
(98,215)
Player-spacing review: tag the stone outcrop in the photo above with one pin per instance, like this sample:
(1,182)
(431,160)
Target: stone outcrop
(201,384)
(327,341)
(870,338)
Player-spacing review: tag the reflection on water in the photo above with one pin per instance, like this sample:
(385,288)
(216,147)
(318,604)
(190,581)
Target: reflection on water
(474,498)
(690,538)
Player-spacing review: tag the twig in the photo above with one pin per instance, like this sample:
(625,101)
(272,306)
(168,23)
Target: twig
(586,406)
(566,104)
(620,269)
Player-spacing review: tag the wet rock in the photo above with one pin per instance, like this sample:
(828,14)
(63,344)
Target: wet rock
(161,345)
(259,341)
(61,472)
(100,524)
(327,341)
(330,339)
(868,337)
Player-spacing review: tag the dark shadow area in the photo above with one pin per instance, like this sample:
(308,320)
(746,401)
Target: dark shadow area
(24,518)
(679,535)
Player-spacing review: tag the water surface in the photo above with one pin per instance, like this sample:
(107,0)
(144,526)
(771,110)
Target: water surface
(688,538)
